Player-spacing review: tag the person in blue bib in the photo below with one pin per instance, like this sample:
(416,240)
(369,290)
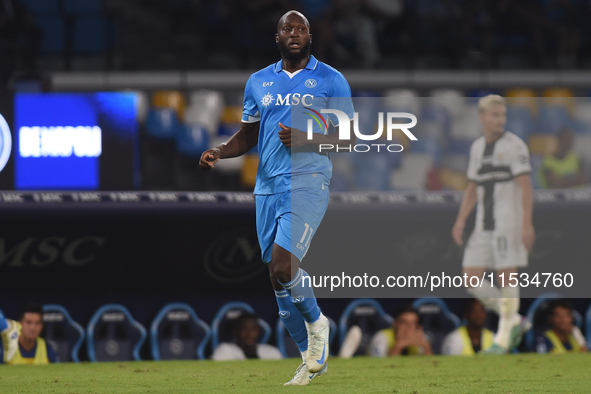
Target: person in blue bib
(21,339)
(291,190)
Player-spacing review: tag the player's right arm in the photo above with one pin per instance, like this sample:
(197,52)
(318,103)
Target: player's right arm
(468,203)
(243,141)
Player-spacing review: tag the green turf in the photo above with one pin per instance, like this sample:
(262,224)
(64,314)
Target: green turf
(481,374)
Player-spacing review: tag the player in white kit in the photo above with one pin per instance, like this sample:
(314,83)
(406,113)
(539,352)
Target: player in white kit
(500,185)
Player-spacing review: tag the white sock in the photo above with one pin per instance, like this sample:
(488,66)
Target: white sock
(304,354)
(508,316)
(489,295)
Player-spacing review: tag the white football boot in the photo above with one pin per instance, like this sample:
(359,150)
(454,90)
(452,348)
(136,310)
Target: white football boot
(303,377)
(318,338)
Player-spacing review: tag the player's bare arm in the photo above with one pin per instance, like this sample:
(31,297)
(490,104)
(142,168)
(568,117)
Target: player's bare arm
(468,203)
(241,142)
(528,234)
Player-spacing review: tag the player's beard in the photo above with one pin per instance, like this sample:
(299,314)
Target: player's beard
(294,57)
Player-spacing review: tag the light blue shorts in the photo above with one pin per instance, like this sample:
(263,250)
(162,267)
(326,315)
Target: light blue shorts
(290,219)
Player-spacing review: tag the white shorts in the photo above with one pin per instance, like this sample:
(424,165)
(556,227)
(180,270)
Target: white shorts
(497,249)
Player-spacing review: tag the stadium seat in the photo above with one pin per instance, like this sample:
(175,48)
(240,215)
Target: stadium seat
(542,144)
(232,114)
(64,334)
(428,145)
(434,122)
(170,99)
(92,35)
(537,314)
(552,118)
(86,7)
(287,345)
(54,34)
(437,320)
(223,323)
(42,7)
(113,335)
(372,171)
(1,345)
(402,100)
(467,124)
(192,140)
(519,121)
(412,174)
(162,123)
(454,180)
(178,334)
(369,316)
(582,145)
(523,98)
(559,97)
(450,99)
(248,174)
(205,109)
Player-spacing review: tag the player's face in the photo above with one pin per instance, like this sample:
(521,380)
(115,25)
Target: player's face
(407,321)
(293,38)
(32,325)
(249,332)
(494,118)
(477,315)
(562,319)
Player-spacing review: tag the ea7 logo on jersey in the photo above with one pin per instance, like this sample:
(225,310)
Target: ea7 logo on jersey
(265,84)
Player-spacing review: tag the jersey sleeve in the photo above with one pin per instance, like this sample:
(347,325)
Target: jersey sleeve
(250,111)
(340,98)
(452,344)
(378,347)
(520,161)
(472,173)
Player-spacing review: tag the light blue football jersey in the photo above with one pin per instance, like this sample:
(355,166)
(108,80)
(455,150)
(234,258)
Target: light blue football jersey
(269,97)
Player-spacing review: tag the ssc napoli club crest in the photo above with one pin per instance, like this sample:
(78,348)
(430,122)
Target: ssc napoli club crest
(311,83)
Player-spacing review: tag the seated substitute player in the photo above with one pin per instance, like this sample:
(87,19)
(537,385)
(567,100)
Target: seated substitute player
(499,180)
(21,340)
(564,168)
(472,337)
(563,336)
(405,337)
(245,344)
(291,186)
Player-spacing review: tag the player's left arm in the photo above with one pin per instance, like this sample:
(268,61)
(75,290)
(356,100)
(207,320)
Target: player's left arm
(528,233)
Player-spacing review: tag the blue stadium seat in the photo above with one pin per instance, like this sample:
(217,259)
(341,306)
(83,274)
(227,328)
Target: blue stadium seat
(86,7)
(92,35)
(54,34)
(552,118)
(42,7)
(162,123)
(459,146)
(1,345)
(369,315)
(178,334)
(223,323)
(64,334)
(287,345)
(437,320)
(113,335)
(429,145)
(192,140)
(538,313)
(519,121)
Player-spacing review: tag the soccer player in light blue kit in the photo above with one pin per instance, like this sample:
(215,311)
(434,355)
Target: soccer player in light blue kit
(292,186)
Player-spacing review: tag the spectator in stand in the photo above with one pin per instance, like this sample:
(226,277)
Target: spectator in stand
(245,345)
(564,168)
(563,336)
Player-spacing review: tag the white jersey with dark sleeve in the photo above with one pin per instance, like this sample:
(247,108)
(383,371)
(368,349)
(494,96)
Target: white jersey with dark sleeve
(494,167)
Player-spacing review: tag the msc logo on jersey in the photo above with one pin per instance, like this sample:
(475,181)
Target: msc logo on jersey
(267,100)
(295,99)
(5,142)
(310,83)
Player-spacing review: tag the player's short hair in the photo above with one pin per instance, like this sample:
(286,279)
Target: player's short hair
(487,102)
(561,303)
(30,308)
(407,308)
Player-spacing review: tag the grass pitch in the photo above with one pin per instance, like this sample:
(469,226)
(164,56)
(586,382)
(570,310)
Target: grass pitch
(528,373)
